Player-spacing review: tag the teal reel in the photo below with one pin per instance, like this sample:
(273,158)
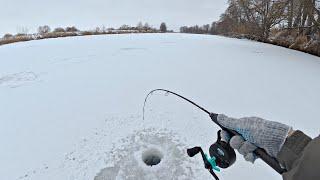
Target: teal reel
(221,156)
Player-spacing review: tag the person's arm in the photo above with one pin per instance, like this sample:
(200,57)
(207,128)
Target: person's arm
(295,151)
(300,155)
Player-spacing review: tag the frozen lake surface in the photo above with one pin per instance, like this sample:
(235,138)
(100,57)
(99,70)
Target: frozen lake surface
(71,109)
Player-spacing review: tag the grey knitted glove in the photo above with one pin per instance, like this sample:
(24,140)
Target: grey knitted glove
(256,132)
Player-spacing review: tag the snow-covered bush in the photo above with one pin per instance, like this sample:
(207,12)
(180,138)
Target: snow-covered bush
(283,38)
(313,47)
(7,36)
(87,33)
(59,29)
(299,43)
(72,29)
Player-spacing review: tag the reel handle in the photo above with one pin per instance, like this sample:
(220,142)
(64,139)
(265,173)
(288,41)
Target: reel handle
(261,153)
(193,151)
(196,150)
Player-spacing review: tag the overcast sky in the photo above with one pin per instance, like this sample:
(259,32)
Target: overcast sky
(16,14)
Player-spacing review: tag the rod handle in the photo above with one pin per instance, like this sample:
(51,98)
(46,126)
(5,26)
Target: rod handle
(261,153)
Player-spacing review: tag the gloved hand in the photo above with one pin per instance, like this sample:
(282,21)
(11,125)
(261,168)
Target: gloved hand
(256,132)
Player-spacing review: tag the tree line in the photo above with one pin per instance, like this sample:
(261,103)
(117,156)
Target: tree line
(45,32)
(204,29)
(45,29)
(290,23)
(260,17)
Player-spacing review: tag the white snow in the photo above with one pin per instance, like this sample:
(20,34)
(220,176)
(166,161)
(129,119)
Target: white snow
(72,108)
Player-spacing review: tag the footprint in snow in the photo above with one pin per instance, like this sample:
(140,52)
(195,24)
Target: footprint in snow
(18,79)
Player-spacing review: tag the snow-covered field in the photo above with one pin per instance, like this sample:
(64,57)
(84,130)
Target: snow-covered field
(72,108)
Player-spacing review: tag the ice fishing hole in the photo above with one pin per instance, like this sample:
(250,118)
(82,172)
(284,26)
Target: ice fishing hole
(152,157)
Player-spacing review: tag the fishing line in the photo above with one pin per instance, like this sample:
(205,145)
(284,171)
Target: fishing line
(175,94)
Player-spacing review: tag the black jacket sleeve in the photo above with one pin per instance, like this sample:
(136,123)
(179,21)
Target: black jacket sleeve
(300,155)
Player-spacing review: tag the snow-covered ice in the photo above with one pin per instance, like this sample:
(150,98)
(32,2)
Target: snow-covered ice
(71,108)
(128,162)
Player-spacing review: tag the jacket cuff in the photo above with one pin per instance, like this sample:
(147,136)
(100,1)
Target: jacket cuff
(292,149)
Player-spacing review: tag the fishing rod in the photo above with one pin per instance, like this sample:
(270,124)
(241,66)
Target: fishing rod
(222,155)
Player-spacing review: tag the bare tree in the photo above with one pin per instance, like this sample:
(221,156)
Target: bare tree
(22,30)
(163,27)
(213,28)
(146,26)
(140,26)
(205,28)
(124,27)
(44,29)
